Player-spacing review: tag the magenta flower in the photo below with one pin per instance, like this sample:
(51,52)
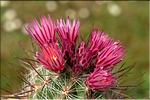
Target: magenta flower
(100,80)
(87,55)
(98,41)
(68,33)
(110,56)
(43,32)
(82,58)
(82,54)
(51,57)
(50,54)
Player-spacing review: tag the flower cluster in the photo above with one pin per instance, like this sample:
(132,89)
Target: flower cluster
(101,53)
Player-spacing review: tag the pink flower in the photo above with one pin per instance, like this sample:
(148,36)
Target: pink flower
(82,58)
(83,55)
(43,32)
(110,56)
(68,33)
(51,57)
(50,54)
(98,41)
(100,80)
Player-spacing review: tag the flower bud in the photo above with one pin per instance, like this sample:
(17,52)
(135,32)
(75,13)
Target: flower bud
(100,80)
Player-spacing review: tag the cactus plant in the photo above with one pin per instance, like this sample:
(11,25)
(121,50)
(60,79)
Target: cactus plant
(63,69)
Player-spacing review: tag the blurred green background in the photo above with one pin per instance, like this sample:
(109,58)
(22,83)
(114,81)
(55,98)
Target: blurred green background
(124,21)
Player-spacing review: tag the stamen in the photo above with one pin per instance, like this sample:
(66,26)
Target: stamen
(54,58)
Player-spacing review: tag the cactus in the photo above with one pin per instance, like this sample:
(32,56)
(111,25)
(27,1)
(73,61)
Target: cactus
(41,83)
(50,85)
(63,70)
